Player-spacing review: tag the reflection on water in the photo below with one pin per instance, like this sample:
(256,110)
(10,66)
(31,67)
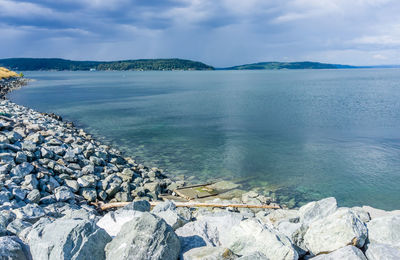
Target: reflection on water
(304,134)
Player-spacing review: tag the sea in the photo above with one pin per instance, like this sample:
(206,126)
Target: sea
(295,135)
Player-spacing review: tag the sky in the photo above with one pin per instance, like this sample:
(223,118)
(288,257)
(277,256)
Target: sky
(217,32)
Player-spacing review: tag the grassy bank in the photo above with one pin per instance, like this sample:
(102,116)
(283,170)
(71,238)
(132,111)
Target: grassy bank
(6,73)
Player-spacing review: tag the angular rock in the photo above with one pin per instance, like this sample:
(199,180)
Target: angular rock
(30,213)
(335,231)
(68,238)
(63,194)
(146,237)
(209,230)
(22,170)
(344,253)
(385,230)
(17,226)
(140,205)
(167,211)
(11,248)
(89,194)
(317,210)
(113,221)
(33,196)
(251,236)
(209,253)
(377,251)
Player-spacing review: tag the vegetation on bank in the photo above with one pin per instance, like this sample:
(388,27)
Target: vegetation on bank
(288,65)
(6,73)
(142,64)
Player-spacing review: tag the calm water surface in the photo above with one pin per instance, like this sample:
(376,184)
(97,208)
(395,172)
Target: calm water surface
(304,134)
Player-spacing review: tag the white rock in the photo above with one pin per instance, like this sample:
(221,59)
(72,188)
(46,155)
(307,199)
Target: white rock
(385,230)
(251,236)
(344,253)
(377,213)
(113,221)
(377,251)
(335,231)
(209,253)
(317,210)
(280,215)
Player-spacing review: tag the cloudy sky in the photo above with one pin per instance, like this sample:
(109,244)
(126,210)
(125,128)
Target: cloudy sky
(217,32)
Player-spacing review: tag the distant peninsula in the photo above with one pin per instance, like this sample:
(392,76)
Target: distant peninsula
(274,65)
(26,64)
(23,64)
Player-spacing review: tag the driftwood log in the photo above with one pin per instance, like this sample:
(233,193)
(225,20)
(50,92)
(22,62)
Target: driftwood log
(107,206)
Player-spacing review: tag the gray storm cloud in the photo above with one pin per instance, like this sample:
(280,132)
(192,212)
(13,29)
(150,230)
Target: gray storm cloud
(220,33)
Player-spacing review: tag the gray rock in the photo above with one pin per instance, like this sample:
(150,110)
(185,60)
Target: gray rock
(146,237)
(337,230)
(20,157)
(22,169)
(72,184)
(11,249)
(209,230)
(209,253)
(113,221)
(377,213)
(87,181)
(17,226)
(254,256)
(251,236)
(63,194)
(344,253)
(139,205)
(317,210)
(33,196)
(88,169)
(30,182)
(167,211)
(67,238)
(385,230)
(280,215)
(30,213)
(89,194)
(19,194)
(377,251)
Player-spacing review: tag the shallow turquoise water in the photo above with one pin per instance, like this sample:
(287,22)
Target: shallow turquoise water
(307,134)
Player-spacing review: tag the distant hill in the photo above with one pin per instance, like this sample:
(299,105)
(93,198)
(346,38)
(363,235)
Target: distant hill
(142,64)
(288,65)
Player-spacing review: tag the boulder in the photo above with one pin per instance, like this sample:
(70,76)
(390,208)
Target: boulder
(337,230)
(11,249)
(377,213)
(30,213)
(67,239)
(209,253)
(211,229)
(252,236)
(280,215)
(167,211)
(146,237)
(344,253)
(317,210)
(385,230)
(377,251)
(254,256)
(114,220)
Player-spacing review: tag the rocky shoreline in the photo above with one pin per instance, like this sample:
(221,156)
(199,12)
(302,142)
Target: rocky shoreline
(51,172)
